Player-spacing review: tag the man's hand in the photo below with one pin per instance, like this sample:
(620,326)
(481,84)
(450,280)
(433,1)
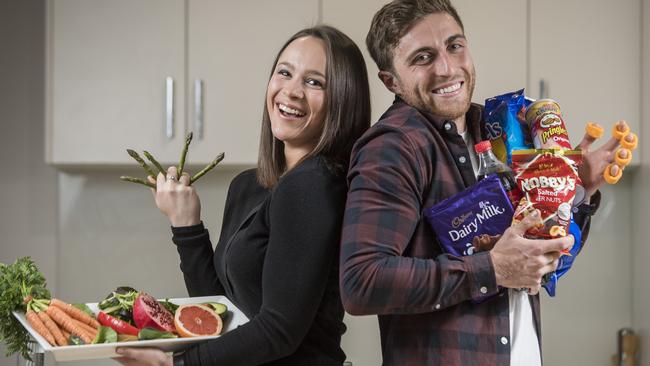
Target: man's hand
(594,162)
(520,262)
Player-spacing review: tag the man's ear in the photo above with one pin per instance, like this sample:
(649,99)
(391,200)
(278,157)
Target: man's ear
(390,81)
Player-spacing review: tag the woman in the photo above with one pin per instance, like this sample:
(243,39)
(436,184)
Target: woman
(277,256)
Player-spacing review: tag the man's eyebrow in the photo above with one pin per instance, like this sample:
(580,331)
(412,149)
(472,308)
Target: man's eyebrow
(455,37)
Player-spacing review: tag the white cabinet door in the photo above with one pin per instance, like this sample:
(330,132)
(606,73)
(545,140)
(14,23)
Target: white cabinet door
(232,46)
(588,55)
(107,66)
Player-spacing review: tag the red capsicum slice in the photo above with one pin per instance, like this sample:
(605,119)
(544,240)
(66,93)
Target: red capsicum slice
(118,325)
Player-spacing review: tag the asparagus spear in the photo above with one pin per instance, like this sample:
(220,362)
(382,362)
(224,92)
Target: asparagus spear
(154,162)
(207,168)
(142,163)
(181,164)
(137,180)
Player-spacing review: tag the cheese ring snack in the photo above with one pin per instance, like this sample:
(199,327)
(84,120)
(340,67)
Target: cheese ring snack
(594,130)
(611,178)
(620,160)
(557,231)
(630,141)
(619,133)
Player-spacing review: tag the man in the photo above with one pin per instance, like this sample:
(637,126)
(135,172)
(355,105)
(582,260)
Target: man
(434,308)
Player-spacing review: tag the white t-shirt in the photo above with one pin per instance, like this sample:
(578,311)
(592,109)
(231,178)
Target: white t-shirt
(524,345)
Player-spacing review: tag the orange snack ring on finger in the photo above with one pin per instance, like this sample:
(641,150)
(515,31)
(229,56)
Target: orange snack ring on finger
(594,130)
(621,161)
(618,134)
(609,178)
(630,145)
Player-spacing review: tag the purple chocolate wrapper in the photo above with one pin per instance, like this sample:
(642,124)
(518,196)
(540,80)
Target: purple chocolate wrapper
(484,208)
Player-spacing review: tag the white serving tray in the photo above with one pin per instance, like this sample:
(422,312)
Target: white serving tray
(107,350)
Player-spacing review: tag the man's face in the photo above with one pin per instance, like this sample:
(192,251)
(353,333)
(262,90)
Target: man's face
(433,68)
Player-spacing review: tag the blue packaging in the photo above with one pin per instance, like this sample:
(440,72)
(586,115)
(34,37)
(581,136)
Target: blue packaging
(484,208)
(505,124)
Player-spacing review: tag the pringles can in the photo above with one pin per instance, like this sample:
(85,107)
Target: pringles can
(544,118)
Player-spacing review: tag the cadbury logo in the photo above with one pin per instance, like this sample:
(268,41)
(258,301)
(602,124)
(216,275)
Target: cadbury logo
(457,221)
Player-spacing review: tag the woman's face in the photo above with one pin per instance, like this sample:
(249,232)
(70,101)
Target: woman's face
(295,97)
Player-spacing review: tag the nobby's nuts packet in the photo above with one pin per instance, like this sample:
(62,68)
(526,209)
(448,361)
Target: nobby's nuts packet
(483,208)
(547,180)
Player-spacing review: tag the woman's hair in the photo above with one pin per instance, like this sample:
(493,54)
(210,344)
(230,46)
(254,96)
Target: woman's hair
(347,107)
(396,19)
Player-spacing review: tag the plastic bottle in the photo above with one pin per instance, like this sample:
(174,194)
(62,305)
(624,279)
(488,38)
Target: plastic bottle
(488,164)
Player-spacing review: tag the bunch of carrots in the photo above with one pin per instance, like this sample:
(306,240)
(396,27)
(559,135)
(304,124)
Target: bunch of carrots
(58,321)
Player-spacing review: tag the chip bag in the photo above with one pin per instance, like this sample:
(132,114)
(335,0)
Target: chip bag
(505,124)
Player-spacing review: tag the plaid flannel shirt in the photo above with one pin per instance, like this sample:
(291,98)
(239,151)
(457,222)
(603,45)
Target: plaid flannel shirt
(391,262)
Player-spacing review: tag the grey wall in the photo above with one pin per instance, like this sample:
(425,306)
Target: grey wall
(641,290)
(28,189)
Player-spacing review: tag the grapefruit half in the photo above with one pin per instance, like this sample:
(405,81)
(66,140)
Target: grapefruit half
(196,320)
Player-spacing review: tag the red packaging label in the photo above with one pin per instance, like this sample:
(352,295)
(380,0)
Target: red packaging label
(547,180)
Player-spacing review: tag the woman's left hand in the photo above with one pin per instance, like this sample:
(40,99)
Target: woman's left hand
(143,357)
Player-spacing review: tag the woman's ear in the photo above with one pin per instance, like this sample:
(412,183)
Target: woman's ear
(390,81)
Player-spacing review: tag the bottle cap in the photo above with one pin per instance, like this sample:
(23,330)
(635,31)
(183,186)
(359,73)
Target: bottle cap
(483,146)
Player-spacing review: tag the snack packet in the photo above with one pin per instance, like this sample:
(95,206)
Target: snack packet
(565,262)
(547,180)
(484,208)
(505,124)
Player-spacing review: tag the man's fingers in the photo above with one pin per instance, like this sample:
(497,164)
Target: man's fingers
(555,245)
(172,173)
(585,144)
(531,220)
(610,145)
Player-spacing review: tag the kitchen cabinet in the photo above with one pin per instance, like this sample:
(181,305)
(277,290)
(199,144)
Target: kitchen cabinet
(587,56)
(107,65)
(139,74)
(231,48)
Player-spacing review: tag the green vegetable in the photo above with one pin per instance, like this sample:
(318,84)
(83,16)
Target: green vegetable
(150,333)
(180,169)
(20,282)
(141,161)
(126,338)
(119,303)
(75,340)
(85,309)
(209,167)
(154,162)
(105,335)
(181,164)
(218,307)
(169,306)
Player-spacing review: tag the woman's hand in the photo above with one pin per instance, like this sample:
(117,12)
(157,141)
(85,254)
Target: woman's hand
(176,198)
(143,357)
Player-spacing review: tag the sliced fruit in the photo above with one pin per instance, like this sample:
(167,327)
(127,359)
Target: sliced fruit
(148,312)
(196,320)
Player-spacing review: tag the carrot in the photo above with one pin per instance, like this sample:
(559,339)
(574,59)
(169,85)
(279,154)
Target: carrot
(53,328)
(39,327)
(66,335)
(75,313)
(65,322)
(90,330)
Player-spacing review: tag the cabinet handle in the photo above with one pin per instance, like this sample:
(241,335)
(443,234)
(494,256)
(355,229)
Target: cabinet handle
(543,89)
(198,108)
(169,107)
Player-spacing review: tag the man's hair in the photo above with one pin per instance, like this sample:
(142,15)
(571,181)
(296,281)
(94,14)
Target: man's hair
(347,108)
(396,19)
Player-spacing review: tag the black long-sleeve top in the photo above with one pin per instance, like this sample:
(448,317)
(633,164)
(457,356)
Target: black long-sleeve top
(280,267)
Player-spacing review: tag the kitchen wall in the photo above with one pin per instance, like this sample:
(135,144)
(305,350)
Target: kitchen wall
(89,232)
(641,204)
(28,188)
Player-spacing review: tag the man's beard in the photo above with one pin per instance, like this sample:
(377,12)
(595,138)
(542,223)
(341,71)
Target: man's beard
(450,112)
